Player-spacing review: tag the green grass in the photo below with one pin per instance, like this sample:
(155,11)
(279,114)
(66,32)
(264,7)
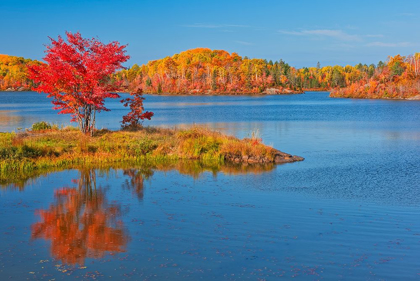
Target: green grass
(56,148)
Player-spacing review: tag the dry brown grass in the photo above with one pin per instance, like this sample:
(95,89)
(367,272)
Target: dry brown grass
(57,148)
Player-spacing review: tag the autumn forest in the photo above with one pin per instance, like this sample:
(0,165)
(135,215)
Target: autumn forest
(205,71)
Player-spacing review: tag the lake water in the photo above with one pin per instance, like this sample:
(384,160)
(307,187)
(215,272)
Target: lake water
(350,211)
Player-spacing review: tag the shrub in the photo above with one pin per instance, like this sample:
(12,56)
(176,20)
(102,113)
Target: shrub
(145,146)
(39,126)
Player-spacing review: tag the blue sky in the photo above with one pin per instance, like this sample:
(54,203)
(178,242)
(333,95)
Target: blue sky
(299,32)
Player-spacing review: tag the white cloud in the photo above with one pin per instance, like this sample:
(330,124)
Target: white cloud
(374,36)
(406,14)
(332,33)
(244,43)
(345,46)
(389,45)
(206,25)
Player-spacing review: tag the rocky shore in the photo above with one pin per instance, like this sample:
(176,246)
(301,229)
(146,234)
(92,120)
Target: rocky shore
(279,158)
(17,89)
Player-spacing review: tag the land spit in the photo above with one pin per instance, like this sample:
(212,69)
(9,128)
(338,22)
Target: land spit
(55,148)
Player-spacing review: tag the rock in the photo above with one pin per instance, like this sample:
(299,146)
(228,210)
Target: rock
(279,158)
(252,160)
(271,91)
(414,98)
(282,157)
(297,158)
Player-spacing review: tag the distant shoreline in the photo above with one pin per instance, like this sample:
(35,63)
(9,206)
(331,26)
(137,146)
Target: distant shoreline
(268,92)
(415,98)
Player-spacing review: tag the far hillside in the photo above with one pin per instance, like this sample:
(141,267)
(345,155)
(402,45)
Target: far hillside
(205,71)
(398,78)
(202,70)
(13,76)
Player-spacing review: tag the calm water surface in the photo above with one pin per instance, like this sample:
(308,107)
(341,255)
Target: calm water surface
(350,211)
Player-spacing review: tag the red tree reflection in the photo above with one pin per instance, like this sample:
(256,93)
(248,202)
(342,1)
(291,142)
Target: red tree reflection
(136,182)
(81,223)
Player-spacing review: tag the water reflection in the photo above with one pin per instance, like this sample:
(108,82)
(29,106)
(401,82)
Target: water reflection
(136,172)
(135,181)
(81,223)
(9,120)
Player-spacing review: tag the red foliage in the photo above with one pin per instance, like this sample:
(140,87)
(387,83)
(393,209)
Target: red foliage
(81,223)
(399,78)
(136,114)
(77,76)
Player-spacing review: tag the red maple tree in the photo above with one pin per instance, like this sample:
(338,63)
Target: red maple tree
(78,77)
(136,114)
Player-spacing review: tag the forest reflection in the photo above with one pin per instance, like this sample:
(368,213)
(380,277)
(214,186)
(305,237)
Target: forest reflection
(8,120)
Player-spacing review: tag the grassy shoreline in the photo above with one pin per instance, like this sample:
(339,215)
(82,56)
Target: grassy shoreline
(57,148)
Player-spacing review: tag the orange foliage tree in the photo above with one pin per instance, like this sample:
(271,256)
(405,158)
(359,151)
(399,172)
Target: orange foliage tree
(398,78)
(13,73)
(203,70)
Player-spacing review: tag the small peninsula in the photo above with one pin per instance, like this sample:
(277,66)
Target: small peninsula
(57,148)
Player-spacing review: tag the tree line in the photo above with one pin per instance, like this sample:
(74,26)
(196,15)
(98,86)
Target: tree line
(398,78)
(202,70)
(14,72)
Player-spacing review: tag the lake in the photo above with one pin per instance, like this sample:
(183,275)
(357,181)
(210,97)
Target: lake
(350,211)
